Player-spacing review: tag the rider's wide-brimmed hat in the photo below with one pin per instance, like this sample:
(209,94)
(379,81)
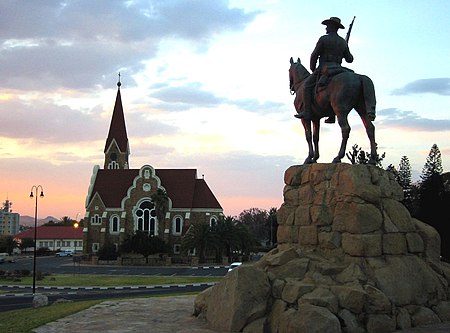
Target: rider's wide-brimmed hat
(334,20)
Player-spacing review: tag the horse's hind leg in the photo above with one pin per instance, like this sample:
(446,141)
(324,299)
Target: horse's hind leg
(370,130)
(345,130)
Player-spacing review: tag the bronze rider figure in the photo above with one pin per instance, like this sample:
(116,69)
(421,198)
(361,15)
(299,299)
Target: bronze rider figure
(330,50)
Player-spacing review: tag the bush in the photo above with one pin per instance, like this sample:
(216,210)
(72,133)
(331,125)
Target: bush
(107,252)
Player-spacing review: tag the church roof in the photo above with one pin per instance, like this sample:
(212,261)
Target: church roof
(117,128)
(182,187)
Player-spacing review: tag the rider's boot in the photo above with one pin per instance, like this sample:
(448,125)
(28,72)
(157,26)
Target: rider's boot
(331,119)
(306,113)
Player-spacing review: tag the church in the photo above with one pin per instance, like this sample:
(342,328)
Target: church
(119,200)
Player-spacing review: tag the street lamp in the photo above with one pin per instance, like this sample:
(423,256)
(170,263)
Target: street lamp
(36,190)
(75,226)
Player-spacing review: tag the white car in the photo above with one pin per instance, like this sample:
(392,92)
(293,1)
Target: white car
(64,253)
(234,265)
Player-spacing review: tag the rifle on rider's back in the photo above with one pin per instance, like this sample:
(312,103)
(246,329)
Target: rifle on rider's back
(347,37)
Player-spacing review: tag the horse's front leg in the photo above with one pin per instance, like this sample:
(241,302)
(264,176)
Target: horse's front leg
(345,130)
(316,131)
(308,135)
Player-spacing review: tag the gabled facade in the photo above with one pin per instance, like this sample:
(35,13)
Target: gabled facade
(119,201)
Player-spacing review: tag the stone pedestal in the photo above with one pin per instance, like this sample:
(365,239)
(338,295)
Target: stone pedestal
(349,259)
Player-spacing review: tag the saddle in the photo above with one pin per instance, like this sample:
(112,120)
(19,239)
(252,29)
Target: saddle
(327,73)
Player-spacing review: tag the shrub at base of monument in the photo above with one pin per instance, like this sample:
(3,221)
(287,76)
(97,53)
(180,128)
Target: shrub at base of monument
(349,259)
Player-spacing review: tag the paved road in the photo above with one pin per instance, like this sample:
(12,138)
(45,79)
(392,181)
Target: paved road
(65,265)
(14,297)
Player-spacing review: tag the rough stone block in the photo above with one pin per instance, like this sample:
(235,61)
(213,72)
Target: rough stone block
(368,245)
(351,323)
(443,310)
(239,299)
(287,234)
(424,316)
(330,240)
(414,242)
(399,215)
(291,195)
(380,323)
(350,297)
(302,215)
(321,297)
(357,218)
(394,243)
(321,215)
(309,318)
(307,235)
(293,175)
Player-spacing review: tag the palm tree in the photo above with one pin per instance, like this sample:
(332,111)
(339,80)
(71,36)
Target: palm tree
(225,237)
(198,237)
(161,201)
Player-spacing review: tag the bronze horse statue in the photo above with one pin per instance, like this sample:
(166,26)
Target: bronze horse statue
(344,92)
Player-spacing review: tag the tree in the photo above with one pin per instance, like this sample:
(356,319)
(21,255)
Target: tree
(200,238)
(433,165)
(359,156)
(7,244)
(256,220)
(161,201)
(26,243)
(433,198)
(273,225)
(143,243)
(107,252)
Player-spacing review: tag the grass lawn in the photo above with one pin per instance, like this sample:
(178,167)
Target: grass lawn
(111,281)
(23,321)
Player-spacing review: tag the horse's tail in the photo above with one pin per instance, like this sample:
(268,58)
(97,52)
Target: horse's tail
(369,96)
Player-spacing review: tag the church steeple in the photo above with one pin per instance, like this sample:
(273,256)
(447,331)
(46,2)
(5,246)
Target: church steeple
(117,149)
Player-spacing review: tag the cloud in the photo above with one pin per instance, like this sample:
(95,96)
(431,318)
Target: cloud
(410,120)
(76,44)
(439,86)
(50,123)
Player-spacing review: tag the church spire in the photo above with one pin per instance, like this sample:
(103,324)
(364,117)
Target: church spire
(116,148)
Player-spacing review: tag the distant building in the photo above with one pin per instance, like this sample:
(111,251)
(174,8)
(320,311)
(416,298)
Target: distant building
(55,237)
(9,221)
(119,200)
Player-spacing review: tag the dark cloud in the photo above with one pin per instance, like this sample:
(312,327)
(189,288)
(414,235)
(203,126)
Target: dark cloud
(192,95)
(74,44)
(439,86)
(410,120)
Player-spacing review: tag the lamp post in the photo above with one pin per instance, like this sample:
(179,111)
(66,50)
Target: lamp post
(75,226)
(36,190)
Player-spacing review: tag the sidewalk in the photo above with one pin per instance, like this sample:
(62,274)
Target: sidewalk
(156,315)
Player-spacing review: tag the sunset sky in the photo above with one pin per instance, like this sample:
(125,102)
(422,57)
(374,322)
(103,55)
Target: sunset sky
(204,85)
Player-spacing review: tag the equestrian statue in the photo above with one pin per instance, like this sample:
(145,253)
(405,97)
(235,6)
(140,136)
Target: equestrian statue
(332,91)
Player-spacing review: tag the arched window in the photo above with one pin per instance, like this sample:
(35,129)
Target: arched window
(114,224)
(113,165)
(177,225)
(146,218)
(213,221)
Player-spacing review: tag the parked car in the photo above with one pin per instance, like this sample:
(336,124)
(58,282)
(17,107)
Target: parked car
(233,266)
(64,253)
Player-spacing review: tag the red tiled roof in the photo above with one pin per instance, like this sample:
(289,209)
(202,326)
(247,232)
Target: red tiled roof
(52,232)
(203,196)
(112,185)
(117,128)
(182,186)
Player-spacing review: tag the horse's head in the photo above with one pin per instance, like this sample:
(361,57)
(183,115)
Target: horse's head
(297,73)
